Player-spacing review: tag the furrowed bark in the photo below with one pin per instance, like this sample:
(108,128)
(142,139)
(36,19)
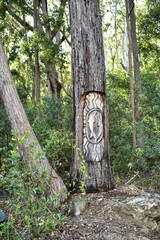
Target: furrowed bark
(89,97)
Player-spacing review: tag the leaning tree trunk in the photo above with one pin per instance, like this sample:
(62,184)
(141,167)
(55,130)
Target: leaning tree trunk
(19,122)
(89,98)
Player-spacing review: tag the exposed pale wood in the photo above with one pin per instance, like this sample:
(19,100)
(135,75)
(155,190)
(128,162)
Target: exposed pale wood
(93,137)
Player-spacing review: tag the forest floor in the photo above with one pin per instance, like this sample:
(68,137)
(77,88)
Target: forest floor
(100,222)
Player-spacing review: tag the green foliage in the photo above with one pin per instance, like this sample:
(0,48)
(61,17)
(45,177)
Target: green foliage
(33,212)
(59,151)
(124,159)
(120,121)
(54,132)
(149,37)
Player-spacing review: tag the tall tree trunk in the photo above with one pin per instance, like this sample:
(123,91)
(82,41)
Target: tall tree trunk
(54,86)
(115,28)
(126,47)
(158,58)
(131,77)
(89,97)
(37,82)
(137,76)
(53,78)
(105,55)
(123,55)
(36,55)
(33,73)
(20,123)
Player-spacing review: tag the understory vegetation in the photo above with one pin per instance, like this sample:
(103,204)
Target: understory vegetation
(54,130)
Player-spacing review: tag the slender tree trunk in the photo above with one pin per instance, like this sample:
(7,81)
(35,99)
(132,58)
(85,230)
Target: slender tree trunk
(137,76)
(37,82)
(54,86)
(45,90)
(33,73)
(53,78)
(20,123)
(89,98)
(105,55)
(115,28)
(131,77)
(36,55)
(158,57)
(126,47)
(123,55)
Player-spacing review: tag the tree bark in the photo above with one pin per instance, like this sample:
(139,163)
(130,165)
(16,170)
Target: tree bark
(137,76)
(36,55)
(115,29)
(19,122)
(126,47)
(158,58)
(131,77)
(123,56)
(105,55)
(54,86)
(89,98)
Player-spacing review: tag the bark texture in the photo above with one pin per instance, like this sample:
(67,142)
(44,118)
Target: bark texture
(36,55)
(115,29)
(131,77)
(137,75)
(19,122)
(89,97)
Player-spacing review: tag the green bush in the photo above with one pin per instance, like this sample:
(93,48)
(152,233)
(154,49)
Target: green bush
(124,160)
(32,209)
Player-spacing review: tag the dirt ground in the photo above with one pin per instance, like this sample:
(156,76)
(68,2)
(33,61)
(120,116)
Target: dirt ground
(100,222)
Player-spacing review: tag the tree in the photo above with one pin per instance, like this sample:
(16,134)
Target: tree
(91,154)
(36,56)
(19,122)
(148,27)
(16,13)
(137,75)
(131,76)
(115,28)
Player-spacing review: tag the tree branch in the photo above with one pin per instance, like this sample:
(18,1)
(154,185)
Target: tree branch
(18,19)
